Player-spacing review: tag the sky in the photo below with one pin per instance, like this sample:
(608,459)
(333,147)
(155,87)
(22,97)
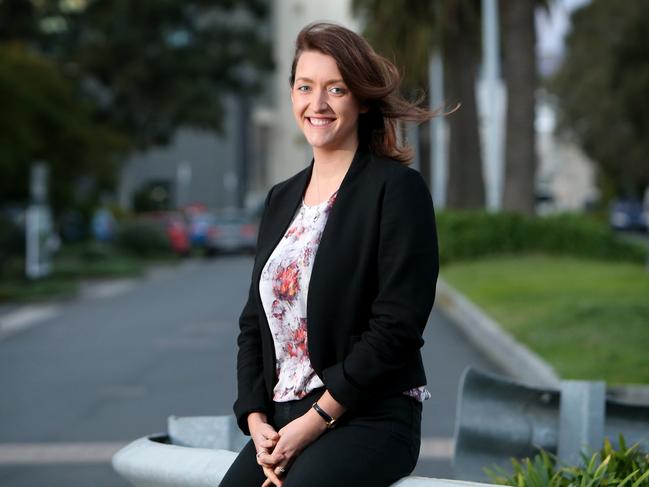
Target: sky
(552,29)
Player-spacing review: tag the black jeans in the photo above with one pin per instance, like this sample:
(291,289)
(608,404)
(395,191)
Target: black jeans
(375,445)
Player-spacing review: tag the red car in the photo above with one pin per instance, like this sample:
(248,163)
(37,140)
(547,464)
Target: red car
(176,229)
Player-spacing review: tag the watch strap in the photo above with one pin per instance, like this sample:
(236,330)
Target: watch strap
(331,422)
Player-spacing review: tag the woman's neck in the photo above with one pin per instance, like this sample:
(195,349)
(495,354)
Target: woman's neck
(329,169)
(331,165)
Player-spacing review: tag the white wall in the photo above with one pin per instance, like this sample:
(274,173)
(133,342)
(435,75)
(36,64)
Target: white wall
(289,152)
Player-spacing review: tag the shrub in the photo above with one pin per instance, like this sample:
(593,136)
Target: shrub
(467,235)
(143,238)
(625,467)
(12,241)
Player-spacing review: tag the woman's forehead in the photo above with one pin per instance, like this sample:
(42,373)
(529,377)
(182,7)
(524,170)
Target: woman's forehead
(316,65)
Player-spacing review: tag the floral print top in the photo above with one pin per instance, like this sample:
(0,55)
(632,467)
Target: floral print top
(283,288)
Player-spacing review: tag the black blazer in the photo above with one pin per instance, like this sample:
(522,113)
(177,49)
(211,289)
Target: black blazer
(372,287)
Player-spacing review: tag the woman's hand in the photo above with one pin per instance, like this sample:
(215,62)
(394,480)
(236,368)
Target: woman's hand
(263,434)
(293,438)
(265,438)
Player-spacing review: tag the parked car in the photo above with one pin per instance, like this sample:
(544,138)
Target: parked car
(628,215)
(175,227)
(231,232)
(199,224)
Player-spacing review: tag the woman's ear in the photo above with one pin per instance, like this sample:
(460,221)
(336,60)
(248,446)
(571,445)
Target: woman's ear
(364,108)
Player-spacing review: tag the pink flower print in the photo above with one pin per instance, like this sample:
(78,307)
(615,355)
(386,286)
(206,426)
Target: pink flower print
(278,311)
(299,336)
(286,283)
(295,231)
(308,252)
(331,203)
(291,350)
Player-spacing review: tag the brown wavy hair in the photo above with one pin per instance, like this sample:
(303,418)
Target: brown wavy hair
(372,79)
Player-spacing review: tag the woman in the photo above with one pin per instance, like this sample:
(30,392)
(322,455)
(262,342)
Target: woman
(330,377)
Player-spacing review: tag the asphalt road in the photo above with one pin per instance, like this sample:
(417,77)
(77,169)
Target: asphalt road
(81,378)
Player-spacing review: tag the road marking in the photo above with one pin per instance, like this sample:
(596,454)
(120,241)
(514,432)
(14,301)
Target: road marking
(436,448)
(26,317)
(57,453)
(106,290)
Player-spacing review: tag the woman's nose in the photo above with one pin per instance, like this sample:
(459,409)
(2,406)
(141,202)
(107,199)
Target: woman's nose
(321,101)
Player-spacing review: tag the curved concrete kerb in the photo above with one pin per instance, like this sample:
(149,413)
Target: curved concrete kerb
(203,459)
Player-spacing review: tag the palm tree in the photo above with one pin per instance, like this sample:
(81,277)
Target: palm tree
(519,70)
(407,31)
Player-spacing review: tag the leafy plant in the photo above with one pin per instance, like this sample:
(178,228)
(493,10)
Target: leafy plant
(624,467)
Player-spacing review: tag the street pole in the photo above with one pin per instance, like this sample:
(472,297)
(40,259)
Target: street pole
(493,102)
(438,138)
(38,225)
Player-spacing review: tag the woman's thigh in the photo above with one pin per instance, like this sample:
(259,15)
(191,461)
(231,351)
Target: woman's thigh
(377,447)
(244,471)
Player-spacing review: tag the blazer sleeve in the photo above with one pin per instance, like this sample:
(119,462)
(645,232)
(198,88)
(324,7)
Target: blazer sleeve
(408,266)
(250,378)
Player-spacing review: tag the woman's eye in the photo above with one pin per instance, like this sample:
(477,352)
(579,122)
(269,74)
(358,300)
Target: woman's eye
(303,88)
(336,90)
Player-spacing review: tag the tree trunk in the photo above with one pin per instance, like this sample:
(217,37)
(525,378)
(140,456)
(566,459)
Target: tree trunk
(519,68)
(424,151)
(465,178)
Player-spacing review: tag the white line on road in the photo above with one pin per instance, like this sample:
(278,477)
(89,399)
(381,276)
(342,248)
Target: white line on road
(26,317)
(106,290)
(102,452)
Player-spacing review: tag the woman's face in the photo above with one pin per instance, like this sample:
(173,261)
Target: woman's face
(324,108)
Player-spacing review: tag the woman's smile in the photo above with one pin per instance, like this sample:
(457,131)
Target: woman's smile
(319,122)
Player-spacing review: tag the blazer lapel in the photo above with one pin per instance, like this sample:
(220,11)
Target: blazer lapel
(343,199)
(285,206)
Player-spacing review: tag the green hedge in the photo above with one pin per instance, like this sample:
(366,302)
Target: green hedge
(143,238)
(470,235)
(12,242)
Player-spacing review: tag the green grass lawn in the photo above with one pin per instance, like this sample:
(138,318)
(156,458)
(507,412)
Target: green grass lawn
(588,319)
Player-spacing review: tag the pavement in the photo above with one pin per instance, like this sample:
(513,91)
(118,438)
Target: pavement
(83,377)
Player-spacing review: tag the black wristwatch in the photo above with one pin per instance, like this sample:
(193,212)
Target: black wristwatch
(331,422)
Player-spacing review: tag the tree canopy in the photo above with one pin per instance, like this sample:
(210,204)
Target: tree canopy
(84,81)
(42,119)
(603,90)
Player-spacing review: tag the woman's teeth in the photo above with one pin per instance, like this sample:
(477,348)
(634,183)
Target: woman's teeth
(320,122)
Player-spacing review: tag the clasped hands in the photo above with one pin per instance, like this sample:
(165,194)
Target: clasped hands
(276,450)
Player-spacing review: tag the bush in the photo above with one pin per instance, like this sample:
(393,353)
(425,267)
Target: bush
(626,467)
(467,235)
(12,241)
(143,238)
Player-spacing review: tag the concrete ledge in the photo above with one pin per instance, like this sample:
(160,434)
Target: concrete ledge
(486,335)
(149,462)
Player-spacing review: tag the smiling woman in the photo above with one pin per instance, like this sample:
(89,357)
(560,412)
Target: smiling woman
(323,106)
(329,369)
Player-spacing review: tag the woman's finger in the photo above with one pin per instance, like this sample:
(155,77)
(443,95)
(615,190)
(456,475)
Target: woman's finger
(281,469)
(270,475)
(276,457)
(268,432)
(268,443)
(265,458)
